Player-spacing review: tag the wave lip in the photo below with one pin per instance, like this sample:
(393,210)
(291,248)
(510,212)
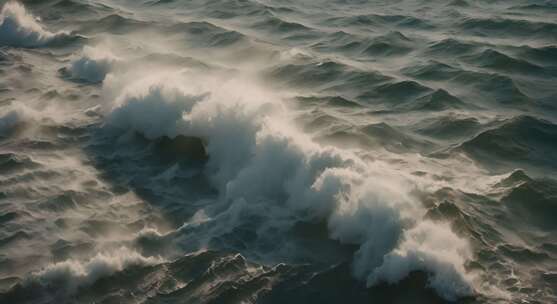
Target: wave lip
(83,273)
(57,281)
(20,29)
(93,66)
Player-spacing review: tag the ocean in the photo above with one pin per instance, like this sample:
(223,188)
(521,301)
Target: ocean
(278,151)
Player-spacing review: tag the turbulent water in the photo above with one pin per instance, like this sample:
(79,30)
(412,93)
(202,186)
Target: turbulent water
(278,151)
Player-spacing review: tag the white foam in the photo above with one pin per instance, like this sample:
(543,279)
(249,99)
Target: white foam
(263,165)
(20,29)
(14,115)
(154,110)
(433,248)
(93,65)
(30,114)
(71,274)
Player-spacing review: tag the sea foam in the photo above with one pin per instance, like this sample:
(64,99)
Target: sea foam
(93,65)
(250,141)
(71,274)
(20,29)
(14,115)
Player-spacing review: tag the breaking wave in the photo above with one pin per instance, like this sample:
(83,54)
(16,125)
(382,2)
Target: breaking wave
(248,140)
(20,29)
(71,274)
(93,65)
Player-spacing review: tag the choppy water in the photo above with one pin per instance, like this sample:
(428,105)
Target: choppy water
(258,151)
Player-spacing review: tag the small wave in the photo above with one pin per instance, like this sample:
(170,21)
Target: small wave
(116,24)
(432,70)
(93,65)
(377,136)
(277,25)
(8,217)
(543,55)
(376,20)
(397,93)
(545,7)
(439,100)
(10,162)
(510,28)
(451,126)
(451,46)
(405,21)
(13,238)
(63,202)
(172,60)
(459,3)
(79,8)
(332,101)
(514,179)
(499,88)
(495,60)
(392,44)
(328,75)
(532,201)
(206,34)
(71,274)
(520,140)
(15,116)
(20,29)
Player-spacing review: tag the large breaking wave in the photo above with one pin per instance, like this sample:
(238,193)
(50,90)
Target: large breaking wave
(250,141)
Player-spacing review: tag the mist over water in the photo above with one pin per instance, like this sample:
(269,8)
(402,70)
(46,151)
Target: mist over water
(278,151)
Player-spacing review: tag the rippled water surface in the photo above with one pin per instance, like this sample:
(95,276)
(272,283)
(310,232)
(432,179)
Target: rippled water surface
(258,151)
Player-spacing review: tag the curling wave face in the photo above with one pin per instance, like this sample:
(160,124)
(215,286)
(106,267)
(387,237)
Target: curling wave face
(254,152)
(19,29)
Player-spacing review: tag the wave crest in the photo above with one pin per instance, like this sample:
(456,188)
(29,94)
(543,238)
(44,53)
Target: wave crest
(250,141)
(20,29)
(93,65)
(71,274)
